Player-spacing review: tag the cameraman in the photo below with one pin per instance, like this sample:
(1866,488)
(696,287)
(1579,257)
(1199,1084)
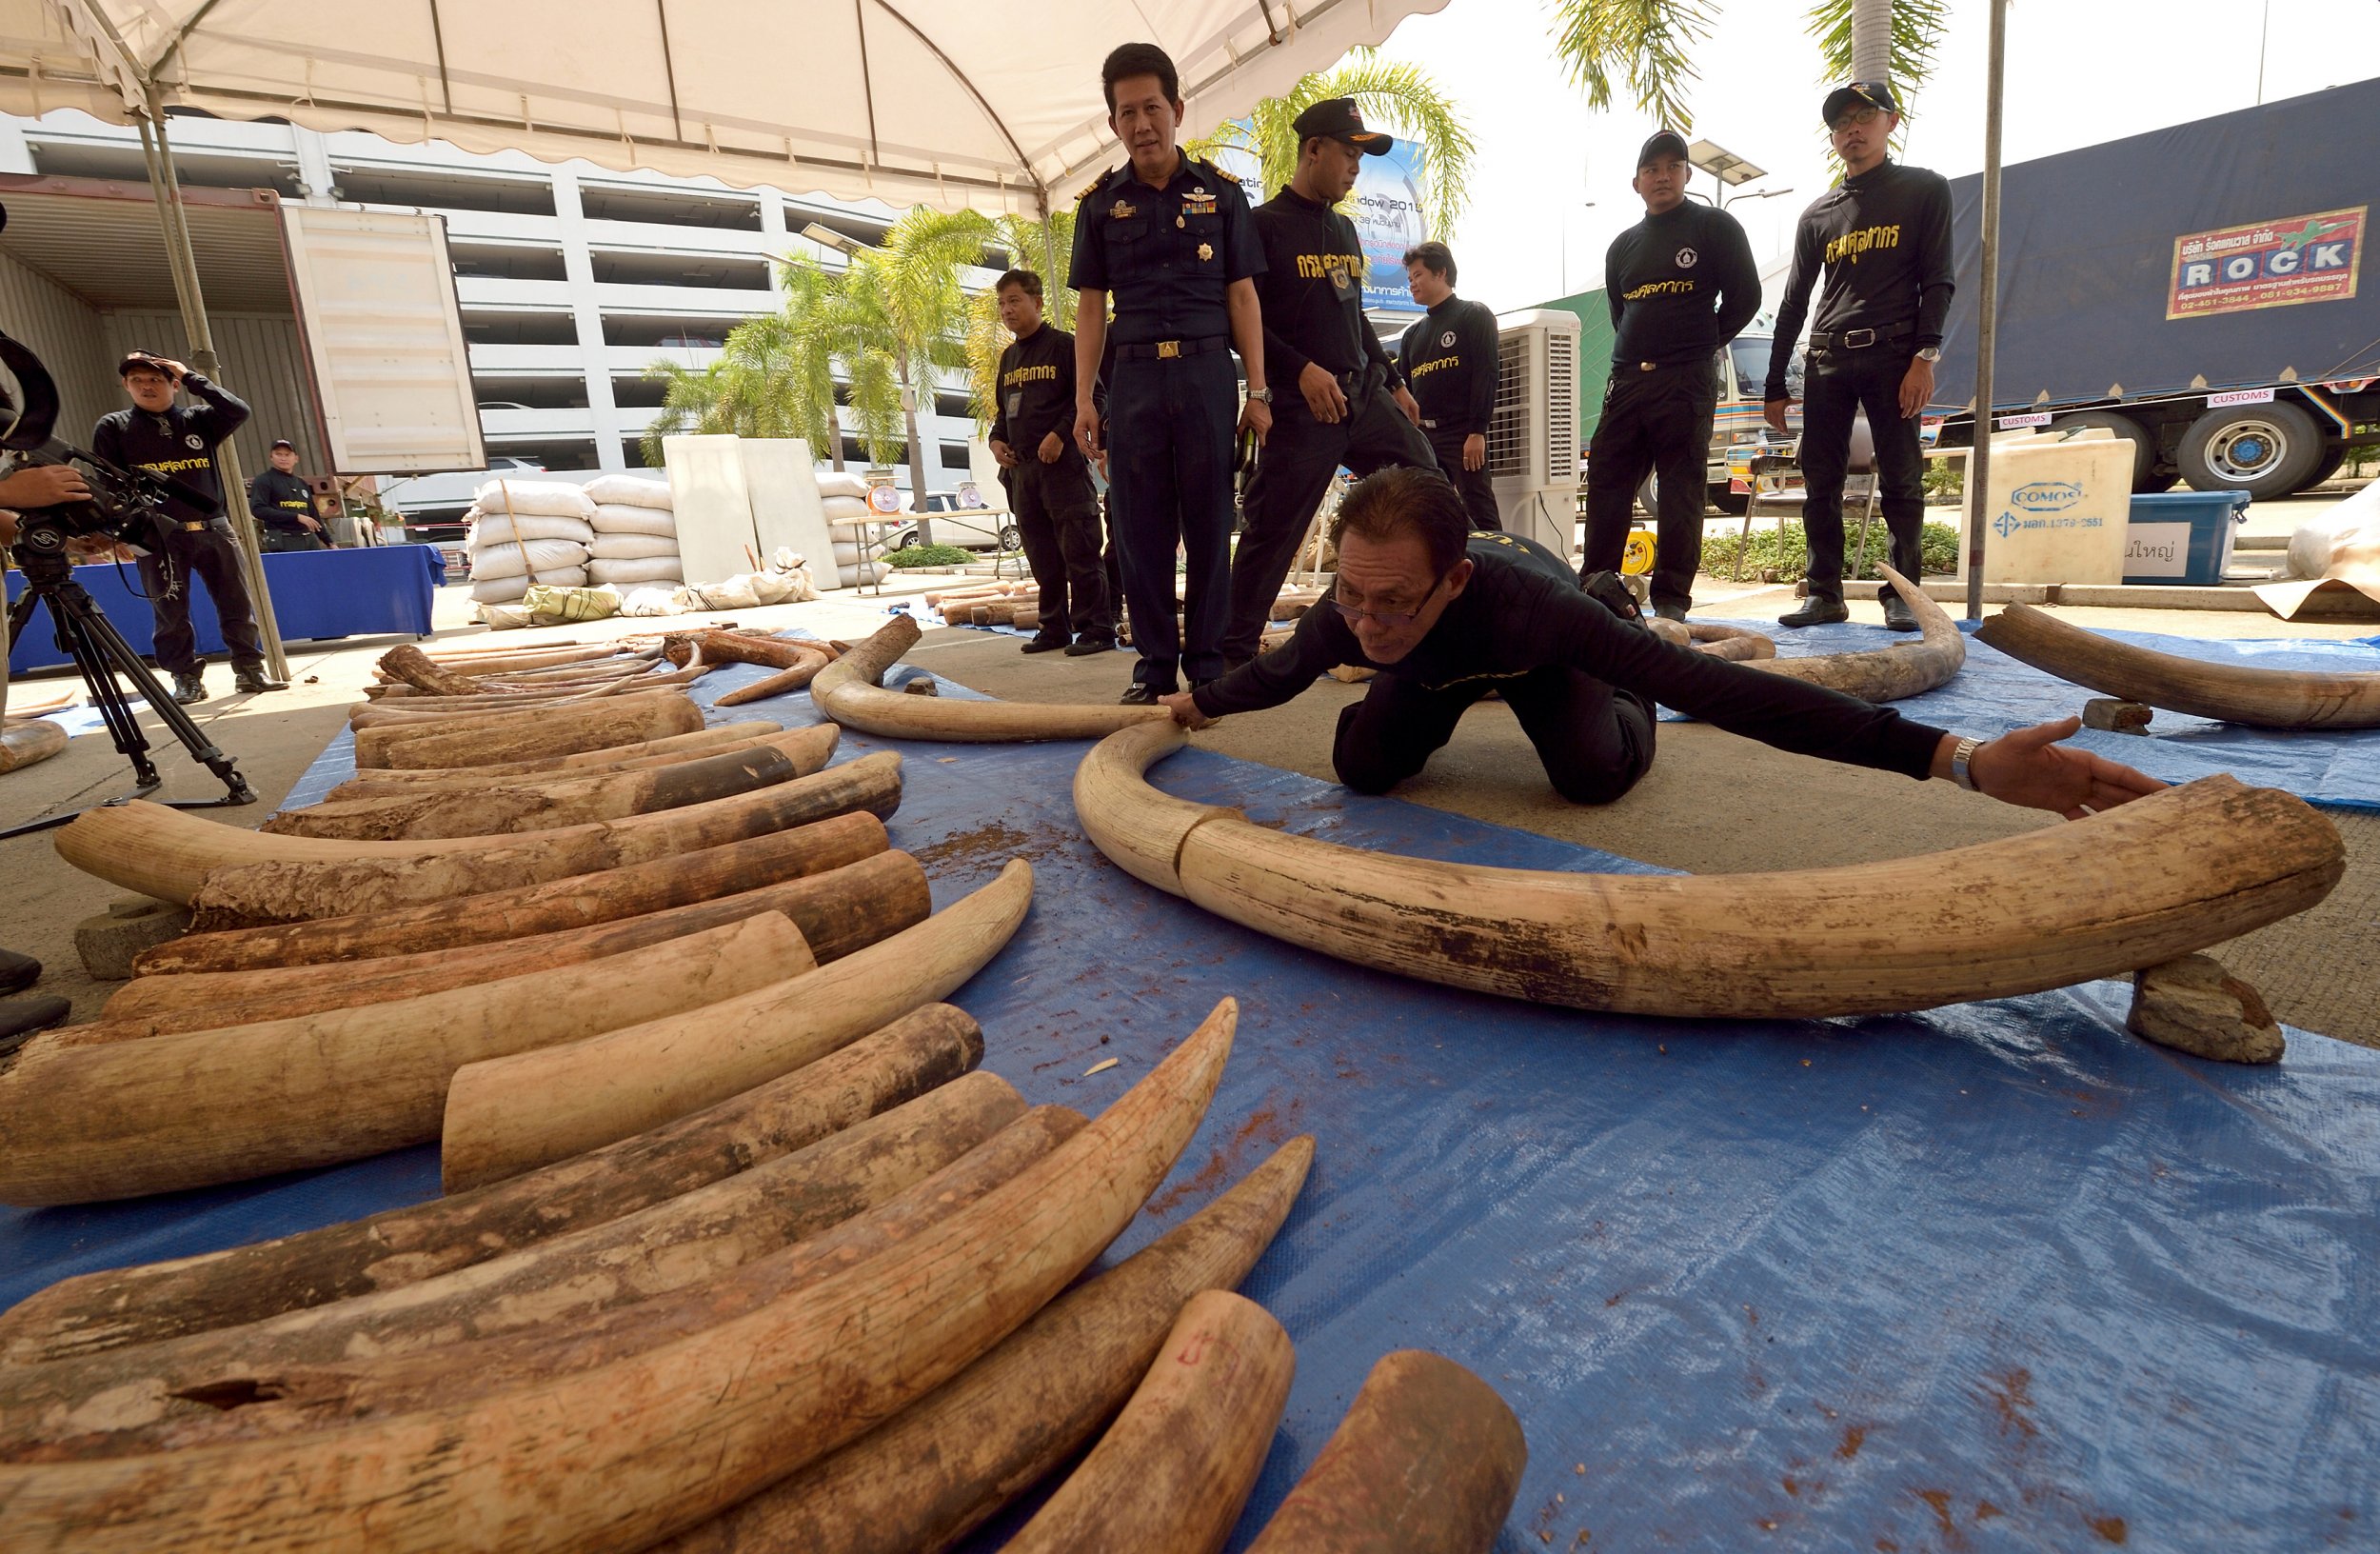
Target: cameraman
(175,441)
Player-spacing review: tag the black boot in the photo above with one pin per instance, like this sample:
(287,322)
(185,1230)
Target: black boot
(252,679)
(17,973)
(1898,615)
(189,689)
(1818,610)
(21,1017)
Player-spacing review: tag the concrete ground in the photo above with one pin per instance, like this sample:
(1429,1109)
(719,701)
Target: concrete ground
(1712,804)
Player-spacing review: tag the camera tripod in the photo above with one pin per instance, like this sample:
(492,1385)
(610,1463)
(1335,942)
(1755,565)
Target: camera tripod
(101,652)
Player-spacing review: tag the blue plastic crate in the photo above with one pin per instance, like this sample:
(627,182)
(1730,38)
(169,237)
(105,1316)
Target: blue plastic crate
(2182,536)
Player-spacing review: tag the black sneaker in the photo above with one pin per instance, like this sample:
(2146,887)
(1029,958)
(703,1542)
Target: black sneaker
(17,973)
(1669,612)
(253,681)
(1898,615)
(1044,645)
(1088,646)
(1818,610)
(189,689)
(1144,695)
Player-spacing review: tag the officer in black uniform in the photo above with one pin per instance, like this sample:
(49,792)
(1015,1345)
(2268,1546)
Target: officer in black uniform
(283,504)
(1681,284)
(1174,241)
(1048,478)
(1883,237)
(1450,361)
(1341,400)
(179,441)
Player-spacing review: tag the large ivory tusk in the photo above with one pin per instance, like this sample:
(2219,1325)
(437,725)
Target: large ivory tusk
(416,669)
(1730,641)
(35,739)
(586,763)
(173,856)
(933,1473)
(2230,692)
(1171,1474)
(931,1049)
(1886,674)
(2153,879)
(506,1117)
(561,696)
(847,691)
(1429,1457)
(766,1387)
(84,1121)
(703,1234)
(391,783)
(535,806)
(626,719)
(572,902)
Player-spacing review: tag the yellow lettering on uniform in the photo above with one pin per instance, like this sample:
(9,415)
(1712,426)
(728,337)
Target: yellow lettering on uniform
(1029,374)
(1319,266)
(1424,368)
(1655,288)
(1852,245)
(167,467)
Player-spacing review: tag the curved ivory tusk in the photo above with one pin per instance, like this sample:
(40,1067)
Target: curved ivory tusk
(1730,641)
(89,1120)
(1429,1457)
(1887,674)
(1171,1474)
(932,1049)
(2150,880)
(507,1116)
(847,691)
(35,739)
(172,856)
(933,1473)
(2230,692)
(766,1384)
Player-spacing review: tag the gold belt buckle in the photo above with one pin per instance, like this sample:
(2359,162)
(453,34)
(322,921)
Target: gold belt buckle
(1166,350)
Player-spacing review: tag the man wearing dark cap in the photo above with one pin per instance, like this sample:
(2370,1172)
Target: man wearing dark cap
(1172,239)
(180,441)
(1883,238)
(1341,400)
(283,504)
(1449,359)
(1681,284)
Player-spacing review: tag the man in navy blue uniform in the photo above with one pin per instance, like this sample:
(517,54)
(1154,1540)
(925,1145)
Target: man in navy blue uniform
(1172,239)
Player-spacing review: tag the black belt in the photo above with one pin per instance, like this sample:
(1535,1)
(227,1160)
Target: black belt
(1165,351)
(1428,424)
(1852,340)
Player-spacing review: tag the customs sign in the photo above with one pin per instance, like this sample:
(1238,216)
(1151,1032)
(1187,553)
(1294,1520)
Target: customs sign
(2273,263)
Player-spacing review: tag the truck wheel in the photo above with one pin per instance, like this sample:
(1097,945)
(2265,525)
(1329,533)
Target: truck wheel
(2267,451)
(1649,498)
(2144,446)
(1732,503)
(2326,467)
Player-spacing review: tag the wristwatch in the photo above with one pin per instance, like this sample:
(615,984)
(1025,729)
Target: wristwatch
(1262,396)
(1929,353)
(1961,771)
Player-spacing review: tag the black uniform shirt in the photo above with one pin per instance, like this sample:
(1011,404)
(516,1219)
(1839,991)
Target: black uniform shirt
(1523,610)
(1884,241)
(1313,291)
(179,443)
(1037,394)
(1166,256)
(279,501)
(1449,355)
(1682,285)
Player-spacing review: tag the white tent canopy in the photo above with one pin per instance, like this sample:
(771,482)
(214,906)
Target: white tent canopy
(954,103)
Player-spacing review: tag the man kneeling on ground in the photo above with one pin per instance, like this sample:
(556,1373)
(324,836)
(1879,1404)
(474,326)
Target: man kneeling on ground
(1447,614)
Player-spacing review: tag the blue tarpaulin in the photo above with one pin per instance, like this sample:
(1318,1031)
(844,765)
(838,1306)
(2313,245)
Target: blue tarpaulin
(1992,1277)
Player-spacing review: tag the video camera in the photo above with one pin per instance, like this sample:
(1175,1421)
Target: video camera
(125,504)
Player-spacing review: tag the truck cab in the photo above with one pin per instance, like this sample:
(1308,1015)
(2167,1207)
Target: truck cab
(1737,429)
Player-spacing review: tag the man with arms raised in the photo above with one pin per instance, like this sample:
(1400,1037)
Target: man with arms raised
(1446,616)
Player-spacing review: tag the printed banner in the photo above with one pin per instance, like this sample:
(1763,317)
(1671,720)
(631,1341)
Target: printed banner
(2273,263)
(1386,206)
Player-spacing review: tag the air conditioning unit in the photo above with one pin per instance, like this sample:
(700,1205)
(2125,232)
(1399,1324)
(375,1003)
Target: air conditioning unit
(1533,443)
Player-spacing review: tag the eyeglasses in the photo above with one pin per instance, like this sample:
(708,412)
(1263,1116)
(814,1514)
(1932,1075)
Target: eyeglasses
(1391,618)
(1857,115)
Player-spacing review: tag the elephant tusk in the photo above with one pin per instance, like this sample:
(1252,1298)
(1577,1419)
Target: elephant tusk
(848,691)
(1887,674)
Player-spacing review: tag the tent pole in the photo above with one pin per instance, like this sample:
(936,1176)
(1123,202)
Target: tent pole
(183,261)
(1987,314)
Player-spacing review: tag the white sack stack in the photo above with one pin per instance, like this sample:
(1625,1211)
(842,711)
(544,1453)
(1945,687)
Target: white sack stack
(844,496)
(525,531)
(636,533)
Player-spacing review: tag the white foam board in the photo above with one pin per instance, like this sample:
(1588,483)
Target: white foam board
(713,505)
(787,509)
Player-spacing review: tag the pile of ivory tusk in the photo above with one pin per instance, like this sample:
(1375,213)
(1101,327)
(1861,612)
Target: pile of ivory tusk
(830,1310)
(850,692)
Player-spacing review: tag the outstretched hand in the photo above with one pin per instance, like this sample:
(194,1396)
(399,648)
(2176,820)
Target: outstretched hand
(1185,709)
(2031,768)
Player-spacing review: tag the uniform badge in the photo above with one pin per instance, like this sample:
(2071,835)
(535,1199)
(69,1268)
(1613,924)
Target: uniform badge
(1122,210)
(1206,251)
(1446,339)
(1686,258)
(193,440)
(1339,279)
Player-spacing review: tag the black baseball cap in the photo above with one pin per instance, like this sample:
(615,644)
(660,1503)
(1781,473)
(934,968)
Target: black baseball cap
(1663,143)
(1340,118)
(1875,93)
(279,443)
(142,361)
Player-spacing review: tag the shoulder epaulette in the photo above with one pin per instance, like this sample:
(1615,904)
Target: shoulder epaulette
(1227,177)
(1093,187)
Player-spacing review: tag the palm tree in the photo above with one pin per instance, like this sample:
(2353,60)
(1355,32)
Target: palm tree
(1399,97)
(1648,43)
(754,390)
(1027,243)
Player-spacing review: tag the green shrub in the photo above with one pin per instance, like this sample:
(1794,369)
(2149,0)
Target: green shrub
(1791,560)
(929,556)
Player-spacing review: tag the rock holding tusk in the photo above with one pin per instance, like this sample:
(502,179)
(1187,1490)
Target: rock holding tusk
(2156,878)
(2229,693)
(507,1116)
(930,1050)
(1429,1457)
(848,691)
(1887,674)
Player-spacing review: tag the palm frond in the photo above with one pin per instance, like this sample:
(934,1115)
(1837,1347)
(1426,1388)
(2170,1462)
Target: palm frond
(1648,44)
(1918,27)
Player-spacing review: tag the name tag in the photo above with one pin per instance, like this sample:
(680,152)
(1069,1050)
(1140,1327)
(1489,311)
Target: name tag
(1122,210)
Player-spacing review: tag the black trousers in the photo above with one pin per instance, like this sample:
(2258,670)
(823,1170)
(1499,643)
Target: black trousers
(1299,458)
(1477,489)
(1058,517)
(209,555)
(1839,386)
(1594,742)
(1657,421)
(274,541)
(1169,428)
